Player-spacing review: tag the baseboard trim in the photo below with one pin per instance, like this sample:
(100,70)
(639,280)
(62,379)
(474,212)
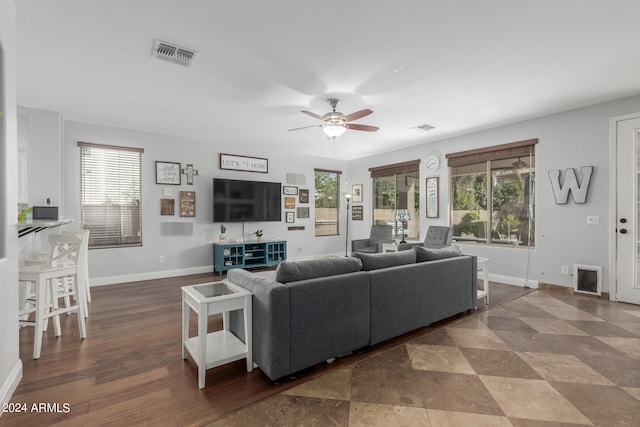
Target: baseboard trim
(161,274)
(11,384)
(514,281)
(570,291)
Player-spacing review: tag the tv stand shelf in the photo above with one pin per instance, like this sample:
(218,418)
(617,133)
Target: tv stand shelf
(250,254)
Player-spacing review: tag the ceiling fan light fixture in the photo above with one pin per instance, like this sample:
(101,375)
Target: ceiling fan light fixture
(334,131)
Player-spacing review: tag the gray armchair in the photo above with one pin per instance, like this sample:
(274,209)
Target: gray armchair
(379,234)
(438,236)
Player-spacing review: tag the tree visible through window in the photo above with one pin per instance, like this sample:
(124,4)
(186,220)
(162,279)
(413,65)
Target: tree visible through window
(111,194)
(396,188)
(492,194)
(327,191)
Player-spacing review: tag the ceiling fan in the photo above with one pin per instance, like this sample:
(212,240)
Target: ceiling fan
(336,123)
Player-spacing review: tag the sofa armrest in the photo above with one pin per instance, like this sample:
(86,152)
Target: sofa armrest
(359,244)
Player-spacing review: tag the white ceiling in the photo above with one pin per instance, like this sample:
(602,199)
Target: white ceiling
(458,65)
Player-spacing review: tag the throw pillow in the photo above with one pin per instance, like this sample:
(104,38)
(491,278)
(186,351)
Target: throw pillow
(430,254)
(292,271)
(385,260)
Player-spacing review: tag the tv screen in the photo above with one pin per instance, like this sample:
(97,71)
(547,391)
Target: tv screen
(246,201)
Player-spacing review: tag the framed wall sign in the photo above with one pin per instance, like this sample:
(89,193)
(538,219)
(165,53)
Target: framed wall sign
(168,173)
(356,190)
(290,217)
(304,196)
(357,213)
(289,202)
(303,212)
(187,204)
(244,163)
(167,207)
(432,197)
(289,191)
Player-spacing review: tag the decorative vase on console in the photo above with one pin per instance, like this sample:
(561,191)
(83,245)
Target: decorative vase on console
(258,234)
(223,233)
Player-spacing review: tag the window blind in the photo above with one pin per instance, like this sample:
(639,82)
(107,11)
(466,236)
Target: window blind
(497,152)
(111,194)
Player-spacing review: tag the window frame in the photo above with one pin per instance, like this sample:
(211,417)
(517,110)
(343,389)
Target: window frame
(108,186)
(337,203)
(486,160)
(392,172)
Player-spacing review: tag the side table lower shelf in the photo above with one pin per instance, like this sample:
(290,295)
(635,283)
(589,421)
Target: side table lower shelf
(222,347)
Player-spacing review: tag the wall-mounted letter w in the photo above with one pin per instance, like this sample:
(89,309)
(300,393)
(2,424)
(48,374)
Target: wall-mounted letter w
(570,184)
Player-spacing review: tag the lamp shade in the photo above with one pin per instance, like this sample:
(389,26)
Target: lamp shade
(334,130)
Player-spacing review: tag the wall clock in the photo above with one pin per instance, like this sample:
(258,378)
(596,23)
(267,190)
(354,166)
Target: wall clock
(432,163)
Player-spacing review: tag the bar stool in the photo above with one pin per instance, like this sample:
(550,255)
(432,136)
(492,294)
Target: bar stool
(83,263)
(49,285)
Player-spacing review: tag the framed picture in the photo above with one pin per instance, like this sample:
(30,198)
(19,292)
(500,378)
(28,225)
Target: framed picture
(187,204)
(290,217)
(167,207)
(304,196)
(303,212)
(289,202)
(357,213)
(289,191)
(168,173)
(356,191)
(432,198)
(243,163)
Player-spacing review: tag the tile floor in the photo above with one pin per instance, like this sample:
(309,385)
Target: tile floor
(545,359)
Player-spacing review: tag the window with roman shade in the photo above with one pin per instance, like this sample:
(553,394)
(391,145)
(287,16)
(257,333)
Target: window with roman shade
(396,197)
(493,194)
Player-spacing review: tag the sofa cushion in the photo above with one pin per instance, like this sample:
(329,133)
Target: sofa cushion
(430,254)
(293,271)
(385,260)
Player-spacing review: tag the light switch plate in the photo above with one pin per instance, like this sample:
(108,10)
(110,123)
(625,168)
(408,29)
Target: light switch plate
(593,219)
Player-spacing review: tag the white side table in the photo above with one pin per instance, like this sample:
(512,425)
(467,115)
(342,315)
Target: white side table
(483,267)
(209,350)
(389,247)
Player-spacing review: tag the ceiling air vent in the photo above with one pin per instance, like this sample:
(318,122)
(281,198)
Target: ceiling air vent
(171,53)
(424,127)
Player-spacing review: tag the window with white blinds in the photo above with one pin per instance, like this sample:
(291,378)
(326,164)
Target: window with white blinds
(111,194)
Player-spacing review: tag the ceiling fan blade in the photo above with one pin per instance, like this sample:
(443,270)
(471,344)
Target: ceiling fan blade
(365,128)
(307,127)
(314,115)
(357,115)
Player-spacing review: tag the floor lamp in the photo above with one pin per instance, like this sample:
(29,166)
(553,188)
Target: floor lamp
(346,238)
(403,216)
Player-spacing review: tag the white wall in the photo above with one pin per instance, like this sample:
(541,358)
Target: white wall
(44,133)
(10,364)
(567,140)
(186,254)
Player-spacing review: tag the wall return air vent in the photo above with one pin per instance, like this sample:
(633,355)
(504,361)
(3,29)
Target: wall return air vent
(172,53)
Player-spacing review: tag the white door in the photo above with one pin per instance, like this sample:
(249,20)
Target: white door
(627,210)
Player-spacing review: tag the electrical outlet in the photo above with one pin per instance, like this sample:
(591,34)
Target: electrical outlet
(564,269)
(161,259)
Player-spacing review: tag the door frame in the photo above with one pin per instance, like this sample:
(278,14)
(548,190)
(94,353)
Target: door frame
(613,201)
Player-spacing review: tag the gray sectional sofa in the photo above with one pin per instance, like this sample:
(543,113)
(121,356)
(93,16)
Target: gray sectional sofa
(311,311)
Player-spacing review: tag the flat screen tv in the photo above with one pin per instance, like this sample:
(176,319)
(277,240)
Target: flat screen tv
(246,201)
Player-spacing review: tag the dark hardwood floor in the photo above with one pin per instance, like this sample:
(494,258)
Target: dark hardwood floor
(129,371)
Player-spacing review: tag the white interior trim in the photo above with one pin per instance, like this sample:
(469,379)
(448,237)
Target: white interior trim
(11,384)
(613,201)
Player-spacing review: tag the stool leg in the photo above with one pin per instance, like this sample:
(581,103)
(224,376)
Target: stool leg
(39,319)
(81,301)
(55,305)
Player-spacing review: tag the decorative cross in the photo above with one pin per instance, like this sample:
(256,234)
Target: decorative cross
(190,172)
